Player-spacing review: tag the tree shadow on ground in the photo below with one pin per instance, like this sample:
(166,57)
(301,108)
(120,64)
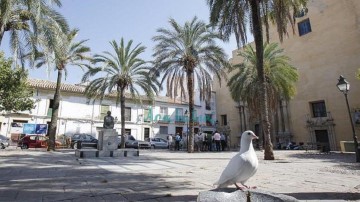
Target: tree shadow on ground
(59,176)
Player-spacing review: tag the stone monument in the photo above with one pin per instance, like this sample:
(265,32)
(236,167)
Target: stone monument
(108,137)
(108,142)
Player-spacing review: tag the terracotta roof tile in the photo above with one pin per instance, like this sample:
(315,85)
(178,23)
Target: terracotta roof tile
(78,88)
(45,84)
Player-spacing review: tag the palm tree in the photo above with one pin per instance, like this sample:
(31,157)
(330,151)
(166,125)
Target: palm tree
(122,71)
(32,24)
(234,16)
(280,77)
(65,53)
(188,54)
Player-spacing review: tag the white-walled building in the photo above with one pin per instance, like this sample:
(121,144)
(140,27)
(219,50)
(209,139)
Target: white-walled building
(144,120)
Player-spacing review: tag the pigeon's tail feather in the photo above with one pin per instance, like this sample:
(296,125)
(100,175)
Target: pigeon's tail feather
(220,185)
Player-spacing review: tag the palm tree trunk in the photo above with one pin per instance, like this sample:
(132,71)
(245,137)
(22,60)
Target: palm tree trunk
(241,121)
(190,134)
(55,112)
(258,38)
(1,37)
(122,116)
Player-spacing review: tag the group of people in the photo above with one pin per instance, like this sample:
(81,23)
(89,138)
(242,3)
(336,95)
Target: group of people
(202,141)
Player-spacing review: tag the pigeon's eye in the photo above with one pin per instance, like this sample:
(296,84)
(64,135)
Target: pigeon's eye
(249,133)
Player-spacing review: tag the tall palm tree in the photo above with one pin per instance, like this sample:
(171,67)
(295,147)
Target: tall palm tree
(65,53)
(27,21)
(189,54)
(280,76)
(121,71)
(235,16)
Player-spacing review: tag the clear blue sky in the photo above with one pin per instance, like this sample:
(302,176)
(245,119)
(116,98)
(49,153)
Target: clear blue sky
(101,21)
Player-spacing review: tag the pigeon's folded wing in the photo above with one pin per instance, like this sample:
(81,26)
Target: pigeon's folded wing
(234,169)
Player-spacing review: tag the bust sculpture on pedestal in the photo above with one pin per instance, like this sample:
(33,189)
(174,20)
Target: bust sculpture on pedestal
(108,121)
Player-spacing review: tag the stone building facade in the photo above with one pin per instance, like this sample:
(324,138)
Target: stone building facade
(325,45)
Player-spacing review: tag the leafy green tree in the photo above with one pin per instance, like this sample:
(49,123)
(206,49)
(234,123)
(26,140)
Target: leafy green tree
(280,75)
(14,92)
(124,71)
(65,53)
(186,55)
(32,25)
(237,16)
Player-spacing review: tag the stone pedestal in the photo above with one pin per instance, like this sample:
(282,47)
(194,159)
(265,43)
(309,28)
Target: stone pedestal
(108,140)
(107,147)
(229,195)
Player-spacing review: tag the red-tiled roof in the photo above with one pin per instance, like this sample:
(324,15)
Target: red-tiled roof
(45,84)
(75,88)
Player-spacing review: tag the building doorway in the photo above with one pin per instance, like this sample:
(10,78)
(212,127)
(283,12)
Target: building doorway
(179,130)
(146,134)
(322,138)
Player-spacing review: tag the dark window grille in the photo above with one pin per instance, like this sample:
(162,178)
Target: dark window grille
(304,27)
(318,109)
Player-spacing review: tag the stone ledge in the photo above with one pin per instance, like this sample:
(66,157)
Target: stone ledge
(229,195)
(93,153)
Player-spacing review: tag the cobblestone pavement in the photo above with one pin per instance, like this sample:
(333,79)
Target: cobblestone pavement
(160,175)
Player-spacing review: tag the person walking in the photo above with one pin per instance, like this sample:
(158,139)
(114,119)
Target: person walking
(198,141)
(217,138)
(170,140)
(177,141)
(223,142)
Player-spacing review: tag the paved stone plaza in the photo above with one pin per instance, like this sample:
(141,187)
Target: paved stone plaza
(160,175)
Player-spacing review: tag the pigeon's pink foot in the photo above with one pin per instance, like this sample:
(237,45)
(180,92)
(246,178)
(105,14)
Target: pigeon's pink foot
(248,187)
(242,188)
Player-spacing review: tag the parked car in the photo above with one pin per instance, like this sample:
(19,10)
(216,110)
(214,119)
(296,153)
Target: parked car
(4,142)
(131,142)
(158,143)
(83,138)
(35,141)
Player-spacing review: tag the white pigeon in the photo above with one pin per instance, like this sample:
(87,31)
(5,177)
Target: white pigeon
(242,166)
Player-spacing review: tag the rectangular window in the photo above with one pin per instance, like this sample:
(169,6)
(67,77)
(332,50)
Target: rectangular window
(318,109)
(127,131)
(180,114)
(163,111)
(103,110)
(224,120)
(147,116)
(304,27)
(195,116)
(50,109)
(127,113)
(163,130)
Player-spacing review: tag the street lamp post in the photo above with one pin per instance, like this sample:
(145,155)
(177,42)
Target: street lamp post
(344,87)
